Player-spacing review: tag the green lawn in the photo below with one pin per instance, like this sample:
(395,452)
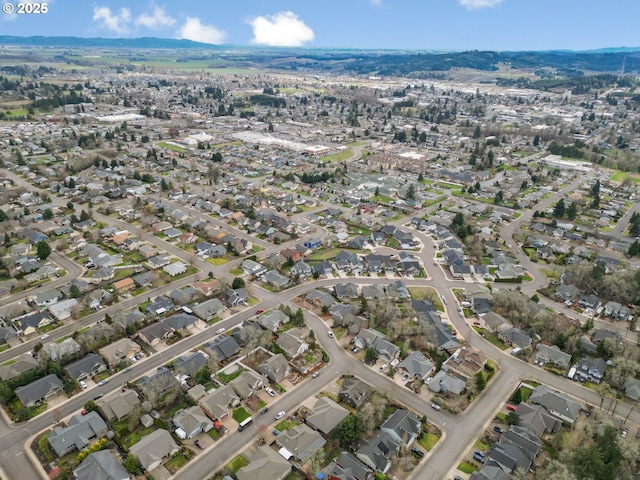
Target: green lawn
(240,414)
(236,271)
(176,463)
(286,425)
(224,378)
(135,436)
(236,464)
(467,467)
(338,157)
(172,147)
(428,441)
(493,339)
(217,261)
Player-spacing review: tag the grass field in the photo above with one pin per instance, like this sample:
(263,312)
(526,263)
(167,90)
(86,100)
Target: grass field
(622,176)
(240,414)
(338,157)
(428,441)
(236,464)
(172,147)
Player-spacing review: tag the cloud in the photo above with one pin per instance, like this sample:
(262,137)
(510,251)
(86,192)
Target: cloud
(115,22)
(194,29)
(376,3)
(473,4)
(157,19)
(284,29)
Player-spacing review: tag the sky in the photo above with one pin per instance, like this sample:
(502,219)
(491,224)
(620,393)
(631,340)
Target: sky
(373,24)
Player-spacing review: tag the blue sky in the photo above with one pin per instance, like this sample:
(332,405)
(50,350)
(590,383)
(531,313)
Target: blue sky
(392,24)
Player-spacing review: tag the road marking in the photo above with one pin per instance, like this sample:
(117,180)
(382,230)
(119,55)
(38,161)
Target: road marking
(19,453)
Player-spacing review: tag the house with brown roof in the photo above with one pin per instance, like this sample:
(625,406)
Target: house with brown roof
(124,285)
(118,405)
(119,350)
(218,403)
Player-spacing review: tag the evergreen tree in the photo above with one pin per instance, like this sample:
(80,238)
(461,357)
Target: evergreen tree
(572,211)
(559,209)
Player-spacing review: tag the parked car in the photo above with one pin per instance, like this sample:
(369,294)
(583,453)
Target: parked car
(280,415)
(383,367)
(259,311)
(276,432)
(83,384)
(103,382)
(219,331)
(330,333)
(44,337)
(435,406)
(417,452)
(271,391)
(99,396)
(315,374)
(457,477)
(264,410)
(199,444)
(83,412)
(405,377)
(511,407)
(498,430)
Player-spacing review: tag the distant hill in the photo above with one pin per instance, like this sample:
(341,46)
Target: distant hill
(80,42)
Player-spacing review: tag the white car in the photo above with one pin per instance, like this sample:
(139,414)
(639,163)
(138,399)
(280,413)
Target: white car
(280,415)
(330,333)
(103,382)
(435,407)
(83,384)
(133,359)
(44,337)
(383,367)
(219,331)
(271,391)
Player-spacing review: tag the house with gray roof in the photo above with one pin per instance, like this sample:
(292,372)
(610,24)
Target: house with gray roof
(417,365)
(265,464)
(155,333)
(118,405)
(191,421)
(443,382)
(301,441)
(39,390)
(378,451)
(208,310)
(275,368)
(537,419)
(556,403)
(152,448)
(292,343)
(248,383)
(347,467)
(222,348)
(326,415)
(273,278)
(515,337)
(354,392)
(78,434)
(403,426)
(272,319)
(101,465)
(552,355)
(525,439)
(510,457)
(386,350)
(490,471)
(218,403)
(189,364)
(154,386)
(90,365)
(23,363)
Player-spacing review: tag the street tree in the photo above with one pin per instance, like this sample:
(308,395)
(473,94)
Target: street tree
(43,250)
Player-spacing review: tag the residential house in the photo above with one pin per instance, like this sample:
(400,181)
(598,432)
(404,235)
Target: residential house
(403,426)
(208,287)
(124,285)
(417,365)
(552,355)
(247,384)
(510,457)
(237,296)
(275,368)
(265,464)
(218,403)
(189,364)
(537,419)
(119,350)
(176,268)
(182,296)
(249,267)
(160,305)
(274,279)
(465,363)
(152,448)
(39,390)
(272,319)
(222,348)
(30,323)
(590,369)
(326,415)
(386,350)
(158,261)
(346,290)
(191,421)
(292,343)
(47,297)
(208,310)
(90,365)
(347,467)
(556,403)
(378,451)
(490,471)
(155,333)
(21,364)
(118,405)
(515,337)
(154,386)
(101,465)
(63,310)
(78,434)
(59,351)
(301,441)
(525,439)
(354,392)
(444,382)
